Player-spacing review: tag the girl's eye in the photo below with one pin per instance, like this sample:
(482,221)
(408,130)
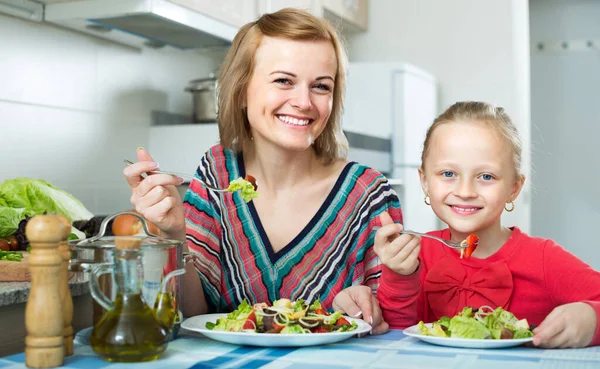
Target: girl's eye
(448,174)
(487,177)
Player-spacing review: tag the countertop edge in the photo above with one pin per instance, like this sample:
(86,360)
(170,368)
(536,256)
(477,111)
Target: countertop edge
(18,292)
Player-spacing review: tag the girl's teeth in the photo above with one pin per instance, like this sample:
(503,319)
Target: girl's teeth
(294,121)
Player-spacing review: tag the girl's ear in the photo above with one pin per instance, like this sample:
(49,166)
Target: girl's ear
(517,187)
(424,184)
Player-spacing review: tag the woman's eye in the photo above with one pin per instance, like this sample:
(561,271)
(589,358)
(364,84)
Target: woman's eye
(448,174)
(323,87)
(283,81)
(487,177)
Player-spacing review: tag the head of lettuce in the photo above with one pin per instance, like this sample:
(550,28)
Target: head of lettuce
(21,197)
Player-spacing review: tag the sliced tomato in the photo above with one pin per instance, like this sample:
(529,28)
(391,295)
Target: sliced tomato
(319,330)
(342,321)
(321,312)
(472,243)
(250,322)
(252,180)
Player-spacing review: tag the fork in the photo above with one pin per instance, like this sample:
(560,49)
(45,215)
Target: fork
(454,245)
(184,176)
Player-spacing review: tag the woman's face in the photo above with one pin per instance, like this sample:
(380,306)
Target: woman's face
(290,94)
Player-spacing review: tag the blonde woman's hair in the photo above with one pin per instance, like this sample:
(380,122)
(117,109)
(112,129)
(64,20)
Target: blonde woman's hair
(493,116)
(237,69)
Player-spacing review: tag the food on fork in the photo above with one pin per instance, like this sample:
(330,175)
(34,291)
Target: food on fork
(247,187)
(479,323)
(471,243)
(284,317)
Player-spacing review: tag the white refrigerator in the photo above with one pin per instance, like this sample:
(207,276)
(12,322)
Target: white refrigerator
(389,107)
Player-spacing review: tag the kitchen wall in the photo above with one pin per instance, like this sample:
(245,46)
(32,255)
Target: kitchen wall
(72,107)
(477,50)
(565,117)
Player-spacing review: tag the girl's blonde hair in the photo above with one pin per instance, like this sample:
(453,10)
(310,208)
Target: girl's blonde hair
(493,116)
(237,69)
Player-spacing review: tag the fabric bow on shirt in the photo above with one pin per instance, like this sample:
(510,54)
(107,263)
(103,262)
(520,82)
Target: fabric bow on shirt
(448,289)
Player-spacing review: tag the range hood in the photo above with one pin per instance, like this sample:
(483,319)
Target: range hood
(142,23)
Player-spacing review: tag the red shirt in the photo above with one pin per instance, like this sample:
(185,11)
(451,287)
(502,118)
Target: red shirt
(528,276)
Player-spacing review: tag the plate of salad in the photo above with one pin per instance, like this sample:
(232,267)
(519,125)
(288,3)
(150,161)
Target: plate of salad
(482,327)
(285,323)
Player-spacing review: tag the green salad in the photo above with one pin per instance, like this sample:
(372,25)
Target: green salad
(283,317)
(247,187)
(482,323)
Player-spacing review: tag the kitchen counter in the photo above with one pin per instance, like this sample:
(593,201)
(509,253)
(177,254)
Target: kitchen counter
(13,300)
(18,292)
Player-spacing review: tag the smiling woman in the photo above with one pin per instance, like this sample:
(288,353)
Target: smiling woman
(309,233)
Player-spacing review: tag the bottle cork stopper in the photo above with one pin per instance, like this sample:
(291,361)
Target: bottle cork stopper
(128,243)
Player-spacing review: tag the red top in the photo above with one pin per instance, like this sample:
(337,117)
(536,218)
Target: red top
(528,276)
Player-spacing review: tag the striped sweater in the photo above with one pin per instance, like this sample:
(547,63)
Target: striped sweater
(234,257)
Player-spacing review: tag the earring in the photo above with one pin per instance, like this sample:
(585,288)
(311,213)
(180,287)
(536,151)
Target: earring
(512,206)
(427,200)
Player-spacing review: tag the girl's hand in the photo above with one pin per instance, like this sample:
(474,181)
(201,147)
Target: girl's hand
(398,252)
(155,197)
(359,302)
(567,326)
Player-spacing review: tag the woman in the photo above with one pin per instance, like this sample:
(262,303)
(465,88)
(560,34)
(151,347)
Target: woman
(308,235)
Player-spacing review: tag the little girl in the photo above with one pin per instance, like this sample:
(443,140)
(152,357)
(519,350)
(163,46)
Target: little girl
(470,174)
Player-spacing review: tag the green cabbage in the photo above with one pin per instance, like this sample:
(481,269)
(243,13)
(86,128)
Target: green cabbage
(22,197)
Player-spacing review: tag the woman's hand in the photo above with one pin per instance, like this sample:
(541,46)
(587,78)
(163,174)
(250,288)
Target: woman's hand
(359,301)
(567,326)
(155,197)
(398,252)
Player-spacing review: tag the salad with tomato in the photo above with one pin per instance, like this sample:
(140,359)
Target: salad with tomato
(283,317)
(479,323)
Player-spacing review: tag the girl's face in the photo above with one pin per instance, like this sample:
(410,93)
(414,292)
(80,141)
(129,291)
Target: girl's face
(469,175)
(290,94)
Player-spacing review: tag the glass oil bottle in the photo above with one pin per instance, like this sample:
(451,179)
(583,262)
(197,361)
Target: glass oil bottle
(129,331)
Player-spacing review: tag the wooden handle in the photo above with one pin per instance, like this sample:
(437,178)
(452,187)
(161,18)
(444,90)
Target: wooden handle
(65,292)
(44,341)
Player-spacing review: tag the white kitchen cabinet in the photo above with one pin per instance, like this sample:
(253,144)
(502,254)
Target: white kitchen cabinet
(348,15)
(179,148)
(233,12)
(270,6)
(353,14)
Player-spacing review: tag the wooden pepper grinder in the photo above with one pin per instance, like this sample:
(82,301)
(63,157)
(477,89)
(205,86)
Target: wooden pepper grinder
(65,292)
(44,342)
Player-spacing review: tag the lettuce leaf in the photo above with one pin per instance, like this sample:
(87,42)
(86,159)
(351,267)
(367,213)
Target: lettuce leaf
(464,327)
(22,197)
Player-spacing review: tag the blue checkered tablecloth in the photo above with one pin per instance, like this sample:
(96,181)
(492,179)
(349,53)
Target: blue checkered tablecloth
(391,350)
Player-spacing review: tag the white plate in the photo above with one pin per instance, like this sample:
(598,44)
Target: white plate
(464,342)
(198,324)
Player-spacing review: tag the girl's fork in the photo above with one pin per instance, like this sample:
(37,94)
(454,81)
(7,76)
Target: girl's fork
(454,245)
(184,176)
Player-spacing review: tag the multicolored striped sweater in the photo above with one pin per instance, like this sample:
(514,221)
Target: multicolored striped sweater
(235,259)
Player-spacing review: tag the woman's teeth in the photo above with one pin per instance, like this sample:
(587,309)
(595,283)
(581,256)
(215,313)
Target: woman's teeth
(294,121)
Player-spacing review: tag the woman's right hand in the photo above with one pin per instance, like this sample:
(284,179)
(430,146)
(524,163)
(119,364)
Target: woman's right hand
(155,197)
(399,252)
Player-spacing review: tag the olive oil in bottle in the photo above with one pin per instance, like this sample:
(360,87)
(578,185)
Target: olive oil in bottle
(129,331)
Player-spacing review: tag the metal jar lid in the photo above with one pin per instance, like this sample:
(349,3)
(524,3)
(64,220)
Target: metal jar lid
(102,241)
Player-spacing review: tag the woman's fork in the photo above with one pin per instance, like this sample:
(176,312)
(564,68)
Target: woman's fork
(184,176)
(455,245)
